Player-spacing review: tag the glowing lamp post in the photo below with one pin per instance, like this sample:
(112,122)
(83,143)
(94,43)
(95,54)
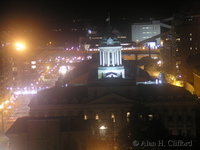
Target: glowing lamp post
(20,46)
(63,70)
(102,131)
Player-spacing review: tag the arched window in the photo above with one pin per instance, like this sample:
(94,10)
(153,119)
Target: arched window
(150,99)
(170,98)
(160,98)
(113,117)
(140,99)
(179,98)
(97,117)
(75,100)
(85,117)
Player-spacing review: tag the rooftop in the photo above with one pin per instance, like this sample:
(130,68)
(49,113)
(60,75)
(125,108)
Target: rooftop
(109,39)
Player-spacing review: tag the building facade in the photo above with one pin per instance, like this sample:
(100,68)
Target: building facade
(143,31)
(180,46)
(18,65)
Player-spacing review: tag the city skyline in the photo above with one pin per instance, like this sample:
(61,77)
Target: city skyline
(78,70)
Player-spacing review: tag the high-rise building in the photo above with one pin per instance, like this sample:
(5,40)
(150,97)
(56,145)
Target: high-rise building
(18,65)
(180,46)
(187,28)
(143,31)
(146,30)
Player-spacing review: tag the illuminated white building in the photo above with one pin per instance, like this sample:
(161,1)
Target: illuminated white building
(110,58)
(145,30)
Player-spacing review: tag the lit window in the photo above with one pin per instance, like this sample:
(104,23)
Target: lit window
(150,117)
(85,117)
(190,39)
(103,130)
(113,117)
(178,39)
(14,68)
(33,66)
(190,48)
(89,31)
(33,62)
(97,117)
(127,116)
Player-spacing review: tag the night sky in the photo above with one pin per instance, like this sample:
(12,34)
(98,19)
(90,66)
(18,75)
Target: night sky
(39,14)
(96,10)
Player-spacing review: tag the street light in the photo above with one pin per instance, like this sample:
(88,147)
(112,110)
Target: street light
(63,70)
(103,128)
(20,46)
(103,131)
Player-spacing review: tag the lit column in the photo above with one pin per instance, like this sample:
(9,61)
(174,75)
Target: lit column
(120,57)
(108,56)
(117,53)
(114,57)
(116,60)
(106,60)
(100,57)
(113,61)
(103,63)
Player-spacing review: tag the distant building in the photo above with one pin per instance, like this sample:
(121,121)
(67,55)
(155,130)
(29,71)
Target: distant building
(187,28)
(179,45)
(143,31)
(18,66)
(91,41)
(147,30)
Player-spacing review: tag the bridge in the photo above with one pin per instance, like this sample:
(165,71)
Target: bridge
(134,54)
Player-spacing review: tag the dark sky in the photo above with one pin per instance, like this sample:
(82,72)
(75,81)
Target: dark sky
(97,10)
(20,14)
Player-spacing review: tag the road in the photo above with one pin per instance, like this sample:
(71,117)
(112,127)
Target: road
(21,111)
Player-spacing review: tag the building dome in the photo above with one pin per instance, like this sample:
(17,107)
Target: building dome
(109,40)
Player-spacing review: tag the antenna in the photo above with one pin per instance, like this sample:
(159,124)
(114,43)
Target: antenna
(108,20)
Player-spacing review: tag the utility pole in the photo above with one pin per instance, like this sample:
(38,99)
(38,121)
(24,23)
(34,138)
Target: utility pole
(2,122)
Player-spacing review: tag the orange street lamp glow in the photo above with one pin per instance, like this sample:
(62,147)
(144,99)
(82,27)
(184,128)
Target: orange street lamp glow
(20,46)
